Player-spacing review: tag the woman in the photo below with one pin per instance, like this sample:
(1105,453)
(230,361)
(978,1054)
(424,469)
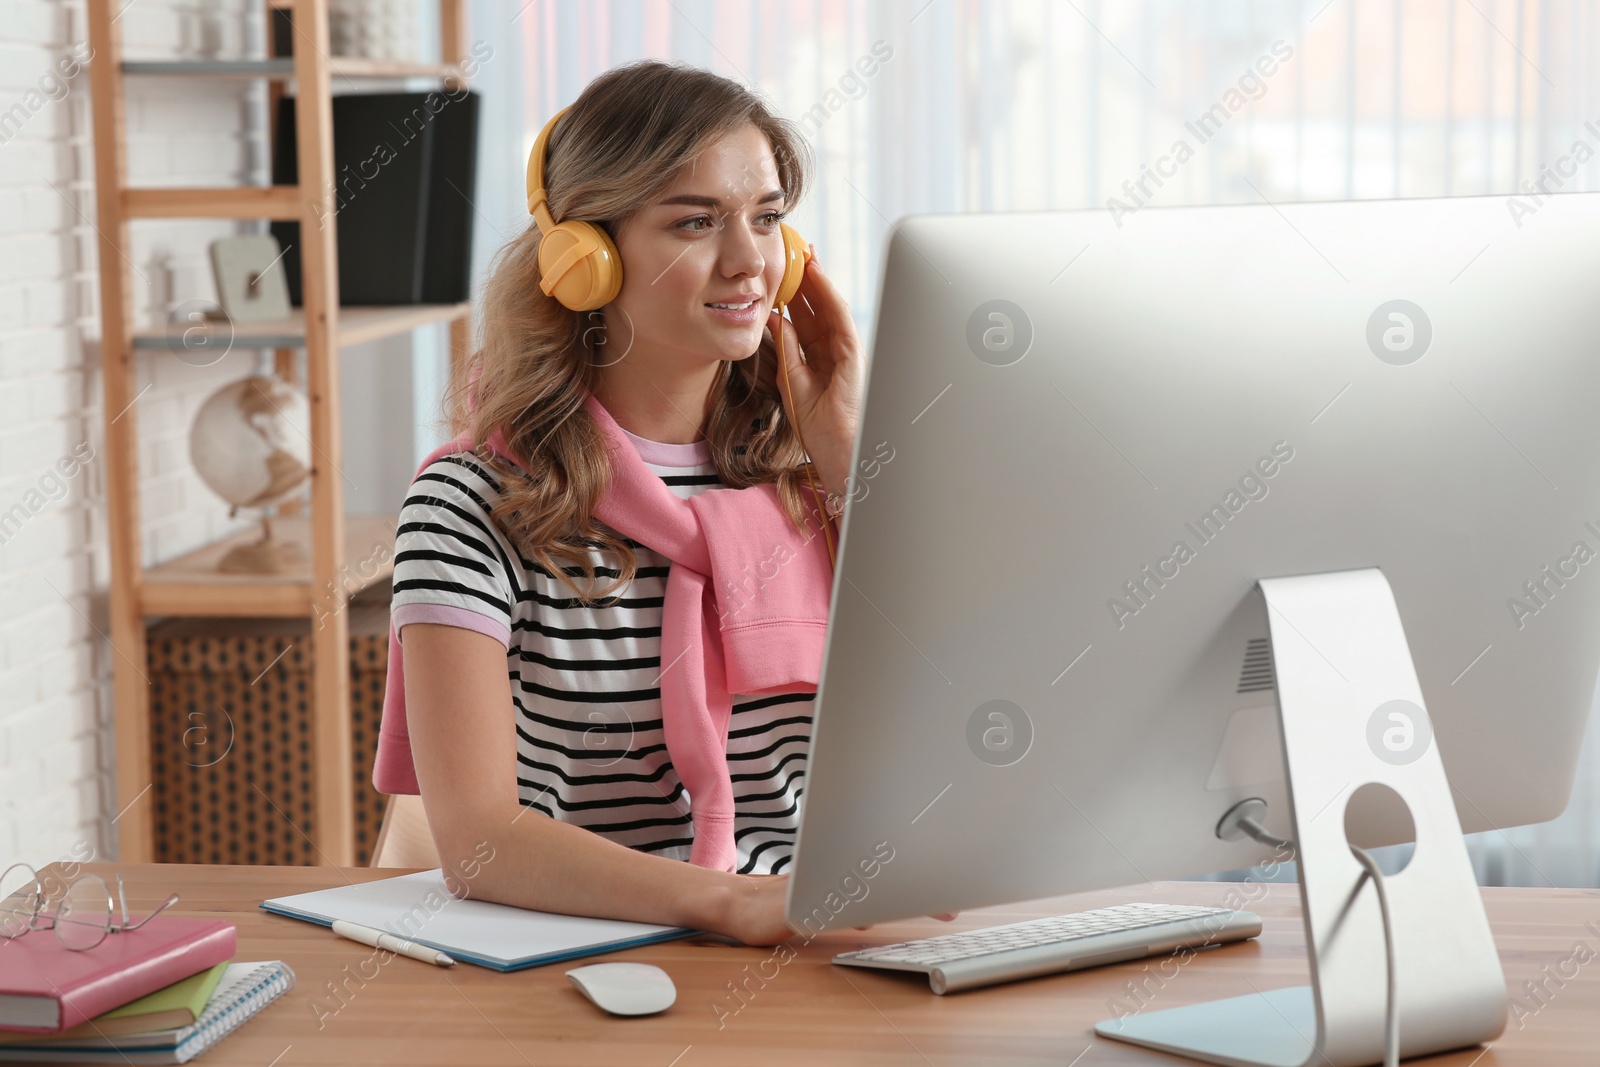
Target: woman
(532,631)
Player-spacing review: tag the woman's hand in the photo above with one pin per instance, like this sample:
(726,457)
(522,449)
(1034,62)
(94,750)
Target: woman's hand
(943,916)
(754,912)
(823,392)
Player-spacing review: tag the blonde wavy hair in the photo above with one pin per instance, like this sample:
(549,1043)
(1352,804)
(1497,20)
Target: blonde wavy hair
(625,140)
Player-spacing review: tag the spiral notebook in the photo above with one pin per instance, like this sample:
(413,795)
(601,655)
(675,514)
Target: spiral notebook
(245,989)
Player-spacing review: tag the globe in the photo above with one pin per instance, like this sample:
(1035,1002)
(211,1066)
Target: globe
(250,443)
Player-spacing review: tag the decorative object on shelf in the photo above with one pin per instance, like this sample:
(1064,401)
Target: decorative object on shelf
(374,29)
(250,280)
(251,444)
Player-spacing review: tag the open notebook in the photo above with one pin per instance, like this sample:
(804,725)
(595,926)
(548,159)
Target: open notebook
(245,988)
(499,936)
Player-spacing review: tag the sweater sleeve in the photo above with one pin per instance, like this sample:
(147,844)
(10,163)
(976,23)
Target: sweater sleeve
(452,564)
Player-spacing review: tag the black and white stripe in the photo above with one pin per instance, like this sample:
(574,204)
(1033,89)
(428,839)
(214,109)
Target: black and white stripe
(585,681)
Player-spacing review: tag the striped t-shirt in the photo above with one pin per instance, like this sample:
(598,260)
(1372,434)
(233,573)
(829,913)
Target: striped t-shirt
(585,680)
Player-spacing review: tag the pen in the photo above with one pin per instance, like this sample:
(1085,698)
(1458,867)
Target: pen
(398,945)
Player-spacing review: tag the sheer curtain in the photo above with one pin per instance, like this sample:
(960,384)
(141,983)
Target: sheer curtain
(1041,104)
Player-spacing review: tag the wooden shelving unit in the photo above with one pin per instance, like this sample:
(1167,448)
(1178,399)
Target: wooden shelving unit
(345,554)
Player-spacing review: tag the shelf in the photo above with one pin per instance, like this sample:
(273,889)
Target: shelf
(358,67)
(212,68)
(191,585)
(357,325)
(237,202)
(282,68)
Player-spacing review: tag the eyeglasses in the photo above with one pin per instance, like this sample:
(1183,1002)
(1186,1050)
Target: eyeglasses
(81,920)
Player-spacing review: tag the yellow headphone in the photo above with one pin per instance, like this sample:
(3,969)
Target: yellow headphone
(578,263)
(580,267)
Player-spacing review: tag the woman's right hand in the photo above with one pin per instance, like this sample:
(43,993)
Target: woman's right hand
(754,913)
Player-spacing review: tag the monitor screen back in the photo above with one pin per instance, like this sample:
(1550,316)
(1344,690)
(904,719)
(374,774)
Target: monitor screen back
(1082,444)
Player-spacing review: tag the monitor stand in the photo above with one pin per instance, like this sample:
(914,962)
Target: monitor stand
(1340,654)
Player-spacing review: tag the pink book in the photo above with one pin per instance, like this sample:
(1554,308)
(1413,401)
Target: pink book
(45,988)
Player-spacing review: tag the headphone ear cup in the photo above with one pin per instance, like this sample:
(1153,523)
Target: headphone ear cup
(579,266)
(794,263)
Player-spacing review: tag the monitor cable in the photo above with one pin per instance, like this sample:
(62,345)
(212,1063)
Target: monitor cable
(1243,819)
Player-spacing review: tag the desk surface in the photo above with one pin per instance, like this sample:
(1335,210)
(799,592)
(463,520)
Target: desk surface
(346,1010)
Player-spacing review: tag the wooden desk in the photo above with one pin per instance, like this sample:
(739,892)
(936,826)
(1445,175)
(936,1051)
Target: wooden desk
(807,1011)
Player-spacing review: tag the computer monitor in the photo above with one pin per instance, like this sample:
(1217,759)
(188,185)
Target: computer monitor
(1087,438)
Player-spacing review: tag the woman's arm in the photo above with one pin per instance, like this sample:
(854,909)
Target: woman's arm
(463,742)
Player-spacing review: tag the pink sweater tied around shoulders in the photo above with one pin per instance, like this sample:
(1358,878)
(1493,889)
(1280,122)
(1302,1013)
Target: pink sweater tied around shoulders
(746,611)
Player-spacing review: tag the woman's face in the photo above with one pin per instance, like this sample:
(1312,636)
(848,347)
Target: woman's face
(711,238)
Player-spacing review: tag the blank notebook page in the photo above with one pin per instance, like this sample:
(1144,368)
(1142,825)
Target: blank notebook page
(420,908)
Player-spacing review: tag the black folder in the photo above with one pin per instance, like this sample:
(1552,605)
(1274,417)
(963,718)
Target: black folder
(447,260)
(404,168)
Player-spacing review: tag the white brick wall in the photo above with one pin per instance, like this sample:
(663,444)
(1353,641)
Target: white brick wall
(56,753)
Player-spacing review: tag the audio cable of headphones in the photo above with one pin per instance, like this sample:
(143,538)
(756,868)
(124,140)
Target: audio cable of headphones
(783,368)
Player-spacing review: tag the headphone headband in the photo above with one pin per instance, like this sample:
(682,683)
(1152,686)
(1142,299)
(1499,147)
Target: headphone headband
(538,203)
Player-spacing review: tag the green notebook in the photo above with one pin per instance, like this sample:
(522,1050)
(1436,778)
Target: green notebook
(168,1008)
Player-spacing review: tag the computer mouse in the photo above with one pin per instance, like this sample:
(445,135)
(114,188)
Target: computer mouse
(625,988)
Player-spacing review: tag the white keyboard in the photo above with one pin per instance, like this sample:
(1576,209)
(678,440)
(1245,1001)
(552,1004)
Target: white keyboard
(954,962)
